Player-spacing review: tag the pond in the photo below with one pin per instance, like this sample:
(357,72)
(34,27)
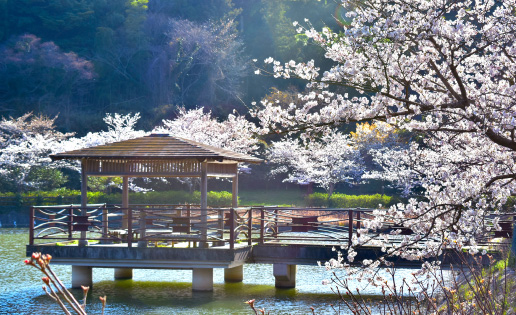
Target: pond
(163,291)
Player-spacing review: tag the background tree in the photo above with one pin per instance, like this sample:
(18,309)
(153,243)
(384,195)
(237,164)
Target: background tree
(25,144)
(196,63)
(235,133)
(325,161)
(39,77)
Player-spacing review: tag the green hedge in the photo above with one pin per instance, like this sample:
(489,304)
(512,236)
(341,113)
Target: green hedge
(215,198)
(347,201)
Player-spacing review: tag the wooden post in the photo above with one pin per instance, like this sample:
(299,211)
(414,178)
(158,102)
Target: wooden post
(350,225)
(51,218)
(143,226)
(105,227)
(234,191)
(129,229)
(275,223)
(204,204)
(31,226)
(188,215)
(220,215)
(84,199)
(232,228)
(358,219)
(250,227)
(125,201)
(262,225)
(70,222)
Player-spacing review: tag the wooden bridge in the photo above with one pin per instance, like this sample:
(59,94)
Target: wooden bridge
(188,237)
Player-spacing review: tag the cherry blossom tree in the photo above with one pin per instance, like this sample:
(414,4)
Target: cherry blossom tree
(377,140)
(235,133)
(25,143)
(327,161)
(444,69)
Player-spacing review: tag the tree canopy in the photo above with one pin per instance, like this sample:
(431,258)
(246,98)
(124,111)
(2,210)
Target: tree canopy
(443,69)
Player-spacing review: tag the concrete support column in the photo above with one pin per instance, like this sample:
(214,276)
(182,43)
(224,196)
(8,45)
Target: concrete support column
(202,279)
(123,273)
(285,275)
(235,274)
(82,275)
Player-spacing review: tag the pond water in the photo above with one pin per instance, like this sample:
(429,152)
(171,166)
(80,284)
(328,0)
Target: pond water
(163,291)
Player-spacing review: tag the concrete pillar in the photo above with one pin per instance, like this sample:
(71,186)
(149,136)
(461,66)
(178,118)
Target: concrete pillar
(285,275)
(81,275)
(202,279)
(235,274)
(123,273)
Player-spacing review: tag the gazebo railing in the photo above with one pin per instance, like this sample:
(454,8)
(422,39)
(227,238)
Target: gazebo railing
(143,225)
(63,223)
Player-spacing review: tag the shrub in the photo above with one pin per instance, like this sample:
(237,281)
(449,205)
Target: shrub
(347,201)
(59,196)
(317,200)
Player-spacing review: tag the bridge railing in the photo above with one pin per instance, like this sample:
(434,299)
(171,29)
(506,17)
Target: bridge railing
(309,225)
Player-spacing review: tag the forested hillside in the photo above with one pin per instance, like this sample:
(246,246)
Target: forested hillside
(80,59)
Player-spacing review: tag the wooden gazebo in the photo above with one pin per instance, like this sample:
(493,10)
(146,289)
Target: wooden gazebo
(159,155)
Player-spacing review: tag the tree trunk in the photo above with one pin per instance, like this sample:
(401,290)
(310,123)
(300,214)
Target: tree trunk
(330,190)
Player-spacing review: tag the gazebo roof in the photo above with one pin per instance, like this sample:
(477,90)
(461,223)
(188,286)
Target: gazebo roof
(157,146)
